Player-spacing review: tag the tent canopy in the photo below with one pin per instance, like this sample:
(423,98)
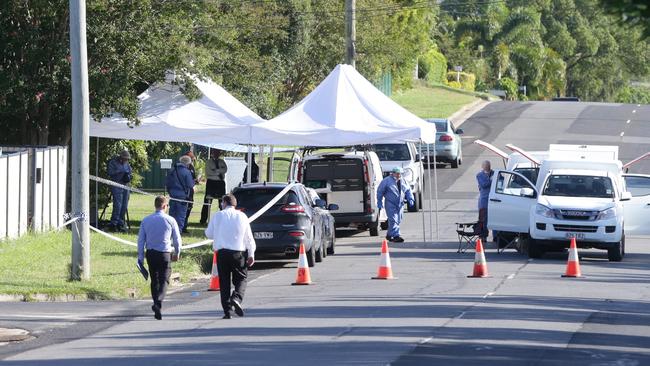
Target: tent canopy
(167,115)
(345,109)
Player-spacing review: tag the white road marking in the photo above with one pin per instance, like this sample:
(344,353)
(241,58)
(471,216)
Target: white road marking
(511,276)
(628,121)
(622,133)
(461,315)
(488,295)
(634,111)
(426,340)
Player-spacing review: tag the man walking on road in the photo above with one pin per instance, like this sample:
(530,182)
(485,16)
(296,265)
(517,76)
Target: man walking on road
(394,192)
(180,184)
(160,237)
(215,186)
(235,247)
(484,180)
(119,171)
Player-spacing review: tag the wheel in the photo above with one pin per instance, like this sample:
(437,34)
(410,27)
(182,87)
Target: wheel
(420,200)
(323,249)
(535,250)
(617,252)
(311,256)
(332,249)
(318,253)
(456,162)
(374,228)
(383,225)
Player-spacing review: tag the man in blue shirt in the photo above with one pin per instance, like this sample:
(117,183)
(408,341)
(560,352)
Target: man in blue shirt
(394,192)
(160,237)
(484,180)
(119,171)
(180,184)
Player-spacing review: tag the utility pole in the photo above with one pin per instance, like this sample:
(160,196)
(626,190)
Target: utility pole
(80,141)
(350,32)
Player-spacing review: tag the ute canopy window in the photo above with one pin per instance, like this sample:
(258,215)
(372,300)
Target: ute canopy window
(250,201)
(338,174)
(579,186)
(392,152)
(530,173)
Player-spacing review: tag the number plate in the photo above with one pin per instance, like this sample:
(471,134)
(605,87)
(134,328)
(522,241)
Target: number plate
(263,235)
(575,235)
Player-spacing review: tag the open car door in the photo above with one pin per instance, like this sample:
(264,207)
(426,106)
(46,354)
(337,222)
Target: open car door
(512,196)
(637,210)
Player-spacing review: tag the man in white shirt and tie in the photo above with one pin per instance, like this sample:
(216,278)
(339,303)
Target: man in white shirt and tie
(235,246)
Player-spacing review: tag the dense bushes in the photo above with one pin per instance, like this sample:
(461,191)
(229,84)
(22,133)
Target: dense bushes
(467,80)
(432,66)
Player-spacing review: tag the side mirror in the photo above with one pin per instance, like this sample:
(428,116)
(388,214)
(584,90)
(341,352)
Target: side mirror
(333,207)
(626,196)
(527,192)
(417,157)
(459,131)
(321,203)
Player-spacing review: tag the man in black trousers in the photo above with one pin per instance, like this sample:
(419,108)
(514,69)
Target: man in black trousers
(235,247)
(160,237)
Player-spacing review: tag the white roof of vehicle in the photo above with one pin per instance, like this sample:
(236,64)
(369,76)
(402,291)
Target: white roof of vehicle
(341,155)
(581,172)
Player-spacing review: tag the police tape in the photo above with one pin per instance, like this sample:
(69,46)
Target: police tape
(130,243)
(136,190)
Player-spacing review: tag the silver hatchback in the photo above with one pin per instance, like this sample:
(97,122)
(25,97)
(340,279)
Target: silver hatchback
(448,148)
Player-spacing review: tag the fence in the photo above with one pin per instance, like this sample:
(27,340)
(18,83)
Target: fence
(35,194)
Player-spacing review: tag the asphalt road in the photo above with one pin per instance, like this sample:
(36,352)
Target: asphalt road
(525,313)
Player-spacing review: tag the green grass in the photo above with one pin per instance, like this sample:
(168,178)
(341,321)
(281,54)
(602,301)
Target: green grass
(432,101)
(40,263)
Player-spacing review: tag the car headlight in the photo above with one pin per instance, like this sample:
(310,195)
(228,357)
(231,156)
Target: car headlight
(544,211)
(609,213)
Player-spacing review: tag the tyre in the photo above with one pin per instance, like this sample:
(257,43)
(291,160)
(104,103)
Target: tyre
(374,230)
(535,249)
(311,256)
(617,251)
(456,162)
(318,252)
(324,249)
(383,225)
(332,249)
(420,200)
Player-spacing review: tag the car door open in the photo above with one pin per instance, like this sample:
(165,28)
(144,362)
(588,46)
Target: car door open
(511,198)
(637,209)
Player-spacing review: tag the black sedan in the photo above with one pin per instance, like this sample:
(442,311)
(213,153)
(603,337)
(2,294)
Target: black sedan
(292,220)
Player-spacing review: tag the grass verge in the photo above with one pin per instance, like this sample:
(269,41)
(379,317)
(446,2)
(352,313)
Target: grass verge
(427,101)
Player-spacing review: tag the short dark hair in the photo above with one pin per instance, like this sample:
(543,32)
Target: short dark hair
(229,200)
(159,202)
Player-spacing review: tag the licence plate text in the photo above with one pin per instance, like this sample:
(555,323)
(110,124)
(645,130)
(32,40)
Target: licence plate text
(263,235)
(575,235)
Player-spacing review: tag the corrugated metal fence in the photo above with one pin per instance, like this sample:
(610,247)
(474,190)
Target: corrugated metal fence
(32,189)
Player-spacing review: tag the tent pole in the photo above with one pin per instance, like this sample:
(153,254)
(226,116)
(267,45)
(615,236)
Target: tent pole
(435,190)
(269,172)
(424,227)
(249,172)
(96,182)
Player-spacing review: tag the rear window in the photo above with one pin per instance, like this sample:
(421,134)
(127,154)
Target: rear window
(530,173)
(441,126)
(341,174)
(251,200)
(392,152)
(579,186)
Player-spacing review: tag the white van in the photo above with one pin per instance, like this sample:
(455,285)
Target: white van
(350,180)
(576,195)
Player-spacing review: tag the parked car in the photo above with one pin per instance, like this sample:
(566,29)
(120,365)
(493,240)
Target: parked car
(449,146)
(404,155)
(290,221)
(350,180)
(329,227)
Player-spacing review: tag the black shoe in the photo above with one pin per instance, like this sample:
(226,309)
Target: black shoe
(398,239)
(227,316)
(156,312)
(237,306)
(390,238)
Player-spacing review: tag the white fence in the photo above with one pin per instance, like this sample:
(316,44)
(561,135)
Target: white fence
(32,189)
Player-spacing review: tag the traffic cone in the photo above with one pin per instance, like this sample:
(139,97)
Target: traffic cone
(303,278)
(385,271)
(573,264)
(214,278)
(480,264)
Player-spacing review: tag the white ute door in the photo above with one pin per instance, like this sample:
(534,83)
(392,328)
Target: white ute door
(508,209)
(637,210)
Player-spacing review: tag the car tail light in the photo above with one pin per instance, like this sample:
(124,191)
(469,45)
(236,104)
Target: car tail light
(296,233)
(446,138)
(368,207)
(366,171)
(292,208)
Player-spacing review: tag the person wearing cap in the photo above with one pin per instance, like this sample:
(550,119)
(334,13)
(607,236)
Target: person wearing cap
(391,194)
(119,171)
(196,179)
(215,186)
(179,184)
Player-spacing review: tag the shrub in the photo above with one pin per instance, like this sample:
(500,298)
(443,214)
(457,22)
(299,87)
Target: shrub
(454,84)
(467,80)
(510,87)
(432,66)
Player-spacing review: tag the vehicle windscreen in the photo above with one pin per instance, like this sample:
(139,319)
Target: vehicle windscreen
(530,173)
(392,152)
(579,186)
(340,174)
(250,201)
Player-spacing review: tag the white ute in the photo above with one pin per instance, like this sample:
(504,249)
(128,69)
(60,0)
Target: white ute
(580,192)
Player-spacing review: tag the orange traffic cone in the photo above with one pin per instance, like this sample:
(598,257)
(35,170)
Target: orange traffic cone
(480,265)
(573,264)
(385,271)
(303,278)
(214,278)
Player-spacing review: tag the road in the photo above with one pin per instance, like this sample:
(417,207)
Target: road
(525,313)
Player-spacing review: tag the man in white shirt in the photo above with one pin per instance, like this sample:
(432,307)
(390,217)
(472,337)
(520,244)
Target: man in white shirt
(235,246)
